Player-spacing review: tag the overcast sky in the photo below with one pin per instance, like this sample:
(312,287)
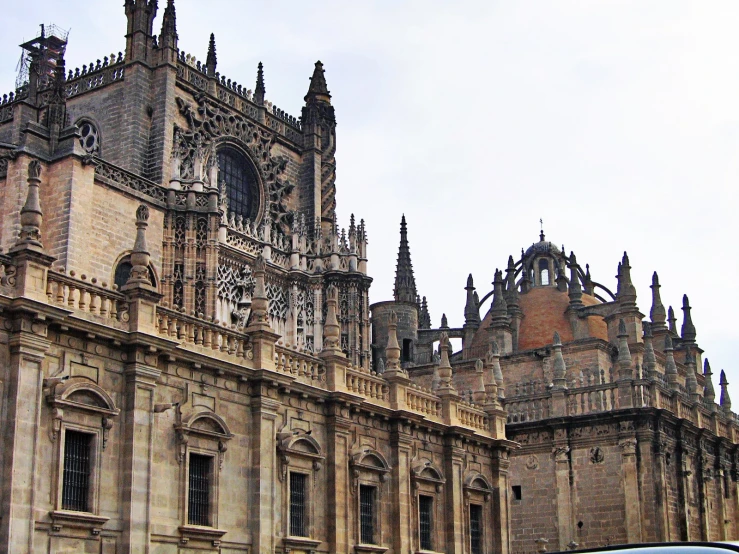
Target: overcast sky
(615,122)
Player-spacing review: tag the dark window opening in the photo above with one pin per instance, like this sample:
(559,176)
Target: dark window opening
(425,521)
(236,174)
(407,350)
(516,492)
(367,514)
(476,529)
(198,512)
(298,527)
(77,466)
(123,271)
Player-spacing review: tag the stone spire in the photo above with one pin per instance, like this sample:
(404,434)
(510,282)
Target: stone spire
(627,294)
(511,294)
(259,90)
(725,400)
(709,394)
(649,359)
(672,321)
(444,322)
(624,354)
(657,313)
(405,283)
(575,290)
(211,60)
(478,394)
(559,381)
(259,317)
(670,365)
(588,285)
(471,309)
(318,89)
(691,383)
(31,216)
(331,329)
(424,319)
(688,330)
(499,307)
(168,36)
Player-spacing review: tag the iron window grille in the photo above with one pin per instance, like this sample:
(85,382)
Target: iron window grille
(425,521)
(236,175)
(198,512)
(476,529)
(298,527)
(77,470)
(367,514)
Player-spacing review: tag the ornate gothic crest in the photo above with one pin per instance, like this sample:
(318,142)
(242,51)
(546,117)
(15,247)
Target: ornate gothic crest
(208,124)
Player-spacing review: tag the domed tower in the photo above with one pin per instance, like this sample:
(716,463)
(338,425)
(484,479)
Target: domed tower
(543,292)
(405,305)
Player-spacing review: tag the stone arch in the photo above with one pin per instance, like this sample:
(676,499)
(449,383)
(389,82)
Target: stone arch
(85,394)
(237,145)
(206,422)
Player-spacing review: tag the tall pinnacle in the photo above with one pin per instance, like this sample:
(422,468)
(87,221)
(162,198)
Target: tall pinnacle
(688,329)
(259,90)
(471,309)
(318,89)
(168,36)
(405,283)
(212,60)
(657,313)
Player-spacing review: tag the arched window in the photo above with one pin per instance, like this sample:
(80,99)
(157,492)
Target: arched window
(544,272)
(123,271)
(237,175)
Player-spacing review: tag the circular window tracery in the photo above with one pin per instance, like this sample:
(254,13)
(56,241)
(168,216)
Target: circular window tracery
(89,137)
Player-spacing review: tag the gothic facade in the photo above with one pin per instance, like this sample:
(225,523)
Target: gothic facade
(622,436)
(185,337)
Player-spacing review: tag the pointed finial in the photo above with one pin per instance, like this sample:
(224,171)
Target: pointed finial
(556,341)
(318,90)
(709,394)
(688,330)
(672,321)
(405,282)
(657,313)
(259,90)
(424,320)
(575,290)
(211,60)
(670,365)
(725,399)
(331,329)
(392,350)
(471,309)
(624,354)
(627,291)
(168,35)
(541,230)
(140,257)
(444,322)
(31,216)
(499,308)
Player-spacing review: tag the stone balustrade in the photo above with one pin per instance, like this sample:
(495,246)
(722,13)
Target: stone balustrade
(366,383)
(471,416)
(88,298)
(419,399)
(304,368)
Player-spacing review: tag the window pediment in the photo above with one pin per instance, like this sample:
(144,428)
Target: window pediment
(82,394)
(370,460)
(426,472)
(475,482)
(298,444)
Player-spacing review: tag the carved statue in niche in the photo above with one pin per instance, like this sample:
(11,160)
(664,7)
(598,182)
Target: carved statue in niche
(235,289)
(207,125)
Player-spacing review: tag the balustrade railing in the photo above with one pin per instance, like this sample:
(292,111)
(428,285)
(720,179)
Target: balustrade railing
(87,297)
(300,366)
(366,383)
(199,332)
(423,400)
(471,416)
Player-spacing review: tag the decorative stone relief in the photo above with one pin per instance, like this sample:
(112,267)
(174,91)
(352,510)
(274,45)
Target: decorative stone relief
(596,455)
(532,462)
(209,123)
(235,289)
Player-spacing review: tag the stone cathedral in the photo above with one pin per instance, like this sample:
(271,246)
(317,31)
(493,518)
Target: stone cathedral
(189,361)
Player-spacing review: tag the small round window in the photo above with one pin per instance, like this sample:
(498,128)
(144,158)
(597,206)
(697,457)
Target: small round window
(237,175)
(89,137)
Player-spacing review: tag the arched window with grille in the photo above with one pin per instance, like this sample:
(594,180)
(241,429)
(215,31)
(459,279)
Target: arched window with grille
(237,174)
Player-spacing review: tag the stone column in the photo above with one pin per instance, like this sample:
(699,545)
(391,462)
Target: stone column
(402,495)
(563,491)
(454,499)
(631,489)
(339,503)
(662,531)
(28,345)
(501,527)
(264,503)
(137,420)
